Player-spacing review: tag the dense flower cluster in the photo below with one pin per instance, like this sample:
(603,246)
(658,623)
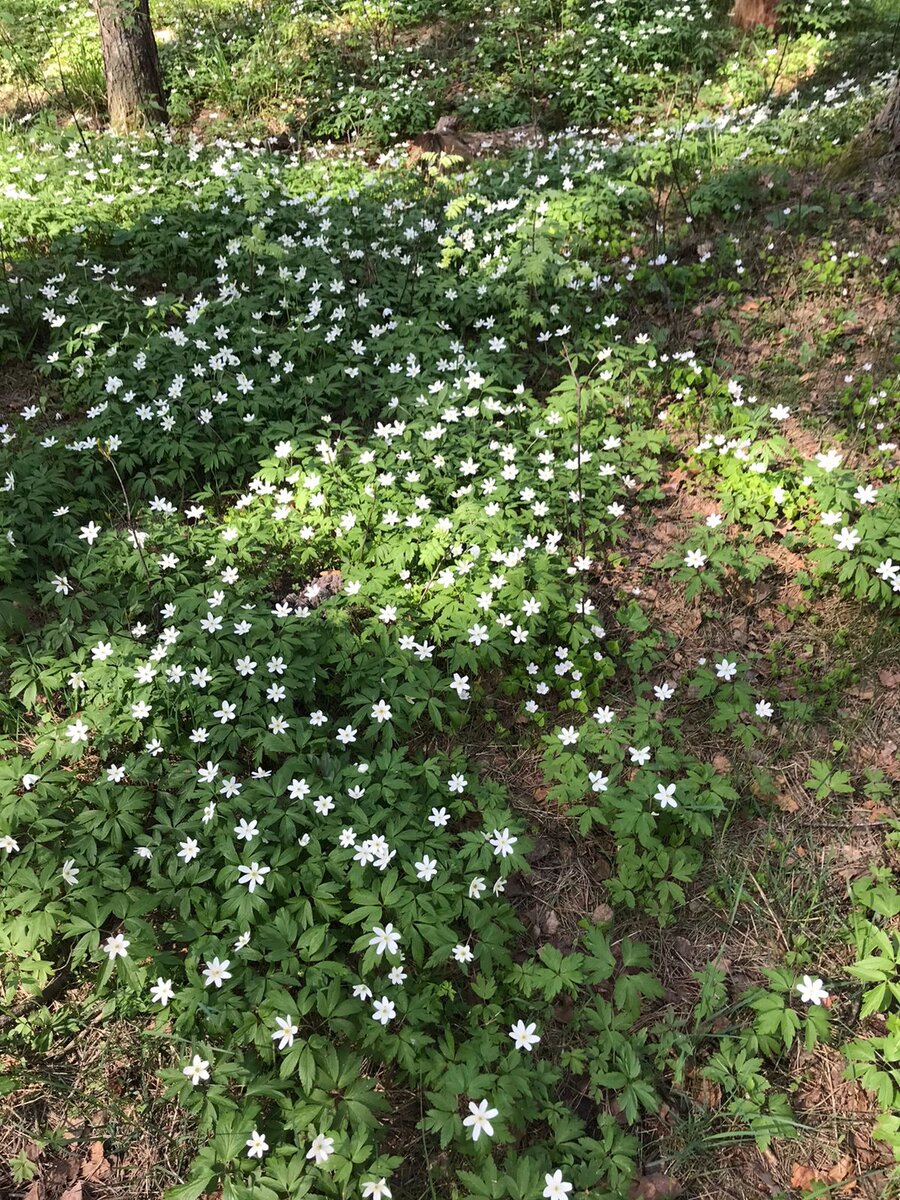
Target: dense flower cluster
(309,516)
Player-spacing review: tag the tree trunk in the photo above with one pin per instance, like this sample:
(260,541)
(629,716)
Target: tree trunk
(134,93)
(876,148)
(888,120)
(747,14)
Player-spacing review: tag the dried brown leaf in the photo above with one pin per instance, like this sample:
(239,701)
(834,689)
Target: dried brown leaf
(95,1166)
(786,802)
(805,1177)
(655,1187)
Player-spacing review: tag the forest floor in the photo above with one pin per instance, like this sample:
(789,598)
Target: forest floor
(761,252)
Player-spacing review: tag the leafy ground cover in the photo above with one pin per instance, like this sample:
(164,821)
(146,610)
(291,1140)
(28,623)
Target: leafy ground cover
(449,719)
(380,72)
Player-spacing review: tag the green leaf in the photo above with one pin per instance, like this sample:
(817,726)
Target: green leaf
(194,1188)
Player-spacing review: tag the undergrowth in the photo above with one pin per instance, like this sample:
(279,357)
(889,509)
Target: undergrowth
(339,481)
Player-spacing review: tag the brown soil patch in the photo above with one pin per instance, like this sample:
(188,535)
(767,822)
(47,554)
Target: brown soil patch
(19,386)
(88,1114)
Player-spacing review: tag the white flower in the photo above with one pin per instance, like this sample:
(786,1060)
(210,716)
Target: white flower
(216,972)
(556,1187)
(253,876)
(188,849)
(847,539)
(502,842)
(764,708)
(599,781)
(829,461)
(457,783)
(321,1149)
(568,735)
(641,757)
(383,1010)
(426,868)
(116,946)
(196,1070)
(256,1145)
(246,830)
(726,669)
(665,795)
(812,991)
(695,558)
(162,991)
(70,872)
(285,1032)
(77,732)
(381,711)
(463,953)
(479,1119)
(89,533)
(208,773)
(523,1036)
(226,712)
(386,940)
(373,1190)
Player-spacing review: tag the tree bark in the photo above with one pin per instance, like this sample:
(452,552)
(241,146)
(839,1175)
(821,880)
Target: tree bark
(134,92)
(747,14)
(888,120)
(875,151)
